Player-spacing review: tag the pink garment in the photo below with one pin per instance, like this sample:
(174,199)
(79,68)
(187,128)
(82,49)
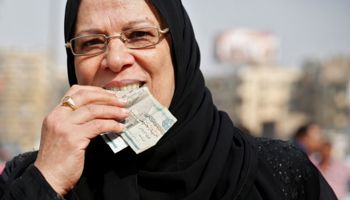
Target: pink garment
(338,176)
(2,166)
(315,161)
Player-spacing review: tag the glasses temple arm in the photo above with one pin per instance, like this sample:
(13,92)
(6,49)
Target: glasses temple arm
(164,31)
(67,45)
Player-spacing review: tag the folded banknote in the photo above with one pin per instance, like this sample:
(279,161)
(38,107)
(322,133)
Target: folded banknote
(147,123)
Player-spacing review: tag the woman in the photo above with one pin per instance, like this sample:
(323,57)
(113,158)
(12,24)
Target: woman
(203,156)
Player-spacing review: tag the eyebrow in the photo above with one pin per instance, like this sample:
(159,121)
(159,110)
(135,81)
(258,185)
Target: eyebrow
(136,22)
(128,25)
(88,32)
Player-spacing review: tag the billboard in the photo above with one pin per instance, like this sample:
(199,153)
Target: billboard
(246,46)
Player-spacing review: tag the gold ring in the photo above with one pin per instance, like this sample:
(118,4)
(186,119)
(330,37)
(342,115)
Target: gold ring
(68,101)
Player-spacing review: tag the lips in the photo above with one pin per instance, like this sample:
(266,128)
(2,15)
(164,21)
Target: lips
(125,87)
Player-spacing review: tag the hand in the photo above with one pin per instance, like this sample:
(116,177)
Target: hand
(66,134)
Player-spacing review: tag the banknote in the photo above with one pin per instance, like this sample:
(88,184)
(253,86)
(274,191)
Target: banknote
(147,123)
(114,141)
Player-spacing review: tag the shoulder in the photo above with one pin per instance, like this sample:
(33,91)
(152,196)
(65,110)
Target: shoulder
(279,148)
(20,158)
(22,161)
(285,158)
(291,169)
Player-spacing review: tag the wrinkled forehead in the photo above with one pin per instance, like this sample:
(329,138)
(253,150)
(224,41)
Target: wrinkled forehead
(114,13)
(116,7)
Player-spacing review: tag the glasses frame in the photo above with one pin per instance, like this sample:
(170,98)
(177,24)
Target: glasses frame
(160,33)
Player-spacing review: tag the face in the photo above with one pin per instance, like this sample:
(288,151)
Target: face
(314,138)
(119,66)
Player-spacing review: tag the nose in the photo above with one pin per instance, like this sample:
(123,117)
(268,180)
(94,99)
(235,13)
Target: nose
(117,56)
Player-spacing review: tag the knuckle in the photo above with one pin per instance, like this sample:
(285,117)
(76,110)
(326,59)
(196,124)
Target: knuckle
(48,118)
(98,125)
(46,121)
(102,126)
(75,87)
(92,110)
(52,124)
(81,92)
(51,117)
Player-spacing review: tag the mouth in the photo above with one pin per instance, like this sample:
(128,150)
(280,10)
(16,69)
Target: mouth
(125,87)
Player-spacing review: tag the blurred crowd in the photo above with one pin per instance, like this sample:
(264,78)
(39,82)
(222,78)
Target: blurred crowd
(336,171)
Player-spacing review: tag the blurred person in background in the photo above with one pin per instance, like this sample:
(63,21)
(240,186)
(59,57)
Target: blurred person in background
(7,152)
(335,171)
(203,156)
(2,165)
(309,139)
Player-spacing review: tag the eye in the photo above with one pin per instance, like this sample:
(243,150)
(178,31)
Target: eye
(93,41)
(139,38)
(138,34)
(89,44)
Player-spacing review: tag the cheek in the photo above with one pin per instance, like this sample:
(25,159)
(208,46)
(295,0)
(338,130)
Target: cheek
(165,81)
(150,62)
(161,69)
(85,70)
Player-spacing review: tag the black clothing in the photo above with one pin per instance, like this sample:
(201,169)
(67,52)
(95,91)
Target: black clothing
(267,169)
(22,180)
(203,156)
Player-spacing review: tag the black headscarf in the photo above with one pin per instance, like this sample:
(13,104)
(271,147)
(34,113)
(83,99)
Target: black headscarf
(200,157)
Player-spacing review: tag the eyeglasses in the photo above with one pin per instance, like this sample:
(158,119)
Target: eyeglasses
(133,39)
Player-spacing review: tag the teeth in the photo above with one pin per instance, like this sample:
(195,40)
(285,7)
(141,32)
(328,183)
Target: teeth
(125,87)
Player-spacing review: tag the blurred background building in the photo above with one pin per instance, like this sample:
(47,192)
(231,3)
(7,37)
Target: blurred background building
(30,86)
(326,83)
(270,100)
(274,101)
(263,90)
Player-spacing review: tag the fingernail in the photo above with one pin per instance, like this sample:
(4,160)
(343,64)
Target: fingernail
(111,91)
(126,111)
(123,100)
(122,126)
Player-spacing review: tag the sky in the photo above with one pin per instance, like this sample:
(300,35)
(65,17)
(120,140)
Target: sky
(312,29)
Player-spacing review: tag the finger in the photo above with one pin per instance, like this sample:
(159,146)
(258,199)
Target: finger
(99,96)
(84,97)
(92,112)
(75,88)
(96,127)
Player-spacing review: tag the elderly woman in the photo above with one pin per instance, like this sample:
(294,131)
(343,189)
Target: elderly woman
(203,156)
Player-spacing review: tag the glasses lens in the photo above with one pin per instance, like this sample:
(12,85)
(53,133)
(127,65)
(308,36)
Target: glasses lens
(139,38)
(88,45)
